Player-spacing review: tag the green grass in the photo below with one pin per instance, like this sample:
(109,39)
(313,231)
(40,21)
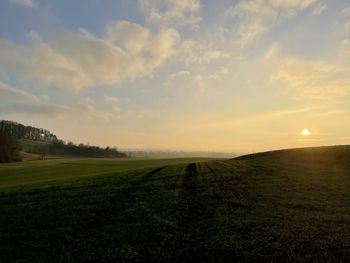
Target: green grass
(34,146)
(283,206)
(24,174)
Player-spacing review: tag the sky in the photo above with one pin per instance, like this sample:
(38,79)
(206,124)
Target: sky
(223,75)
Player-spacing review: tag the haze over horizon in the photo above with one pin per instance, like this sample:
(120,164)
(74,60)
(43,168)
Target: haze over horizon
(240,76)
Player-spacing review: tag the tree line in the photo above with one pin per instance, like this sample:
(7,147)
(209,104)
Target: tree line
(21,131)
(87,150)
(11,132)
(9,148)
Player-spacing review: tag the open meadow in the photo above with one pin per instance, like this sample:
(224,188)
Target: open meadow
(125,128)
(291,206)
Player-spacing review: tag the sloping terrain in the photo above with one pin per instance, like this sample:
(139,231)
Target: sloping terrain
(282,206)
(38,150)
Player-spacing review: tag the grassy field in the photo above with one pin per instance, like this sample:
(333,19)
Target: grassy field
(30,149)
(61,170)
(283,206)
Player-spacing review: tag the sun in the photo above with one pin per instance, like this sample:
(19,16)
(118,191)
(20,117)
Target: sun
(305,132)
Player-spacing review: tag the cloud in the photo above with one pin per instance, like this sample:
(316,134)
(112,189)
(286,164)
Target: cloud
(111,99)
(173,12)
(179,74)
(18,102)
(9,94)
(192,52)
(314,79)
(346,12)
(78,60)
(346,16)
(344,51)
(141,43)
(258,16)
(25,3)
(88,108)
(271,53)
(319,9)
(29,108)
(43,64)
(34,36)
(114,101)
(218,73)
(329,113)
(293,4)
(15,101)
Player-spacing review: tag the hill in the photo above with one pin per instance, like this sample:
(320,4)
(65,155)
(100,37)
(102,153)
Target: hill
(39,143)
(38,150)
(282,206)
(21,131)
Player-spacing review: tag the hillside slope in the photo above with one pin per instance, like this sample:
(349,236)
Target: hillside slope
(282,206)
(37,150)
(39,143)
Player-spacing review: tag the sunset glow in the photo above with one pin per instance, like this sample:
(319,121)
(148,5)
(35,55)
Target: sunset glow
(186,75)
(305,132)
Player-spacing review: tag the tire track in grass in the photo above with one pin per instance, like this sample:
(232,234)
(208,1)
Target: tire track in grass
(188,207)
(115,204)
(89,224)
(194,215)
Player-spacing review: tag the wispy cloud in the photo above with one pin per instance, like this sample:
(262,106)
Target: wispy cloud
(218,73)
(27,108)
(173,12)
(192,52)
(78,60)
(111,99)
(258,16)
(346,16)
(314,79)
(328,113)
(16,101)
(179,74)
(114,101)
(89,110)
(319,9)
(11,94)
(346,11)
(25,3)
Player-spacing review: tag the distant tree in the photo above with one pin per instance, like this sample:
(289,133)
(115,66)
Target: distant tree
(26,132)
(88,150)
(9,148)
(42,149)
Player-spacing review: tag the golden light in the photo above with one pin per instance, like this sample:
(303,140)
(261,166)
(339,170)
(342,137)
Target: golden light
(305,132)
